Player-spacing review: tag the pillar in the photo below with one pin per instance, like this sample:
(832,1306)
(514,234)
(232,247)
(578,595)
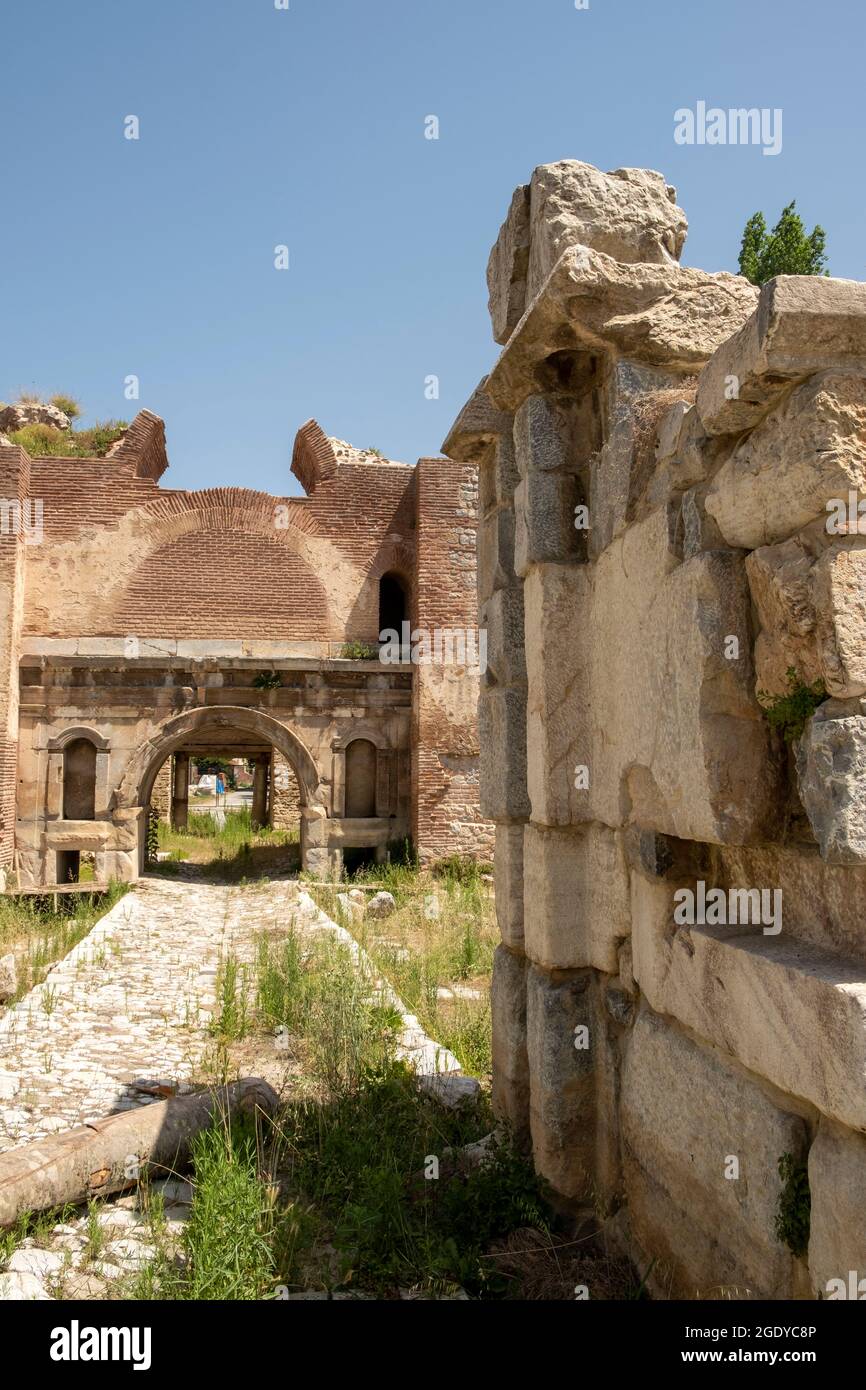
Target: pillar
(261,767)
(180,792)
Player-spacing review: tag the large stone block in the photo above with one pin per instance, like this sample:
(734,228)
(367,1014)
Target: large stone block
(661,315)
(837,1181)
(689,1118)
(502,619)
(616,481)
(542,437)
(577,906)
(784,1008)
(495,552)
(808,451)
(678,742)
(558,604)
(802,324)
(821,902)
(630,214)
(508,267)
(781,584)
(831,775)
(544,507)
(508,884)
(510,1093)
(574,1066)
(839,598)
(476,427)
(502,739)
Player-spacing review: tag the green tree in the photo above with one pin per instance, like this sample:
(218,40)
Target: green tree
(786,250)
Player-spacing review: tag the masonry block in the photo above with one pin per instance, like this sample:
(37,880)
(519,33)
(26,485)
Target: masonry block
(701,1146)
(577,903)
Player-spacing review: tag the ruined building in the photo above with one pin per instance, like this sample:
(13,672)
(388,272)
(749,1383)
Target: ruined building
(680,993)
(141,624)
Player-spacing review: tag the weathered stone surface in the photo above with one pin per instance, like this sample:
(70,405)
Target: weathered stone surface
(16,417)
(495,551)
(508,884)
(802,324)
(670,429)
(809,450)
(683,748)
(839,598)
(510,1094)
(572,1070)
(629,214)
(686,1113)
(502,735)
(502,619)
(661,315)
(820,900)
(476,427)
(558,604)
(831,776)
(764,1000)
(544,512)
(508,267)
(542,437)
(616,482)
(837,1181)
(8,977)
(577,909)
(381,905)
(781,584)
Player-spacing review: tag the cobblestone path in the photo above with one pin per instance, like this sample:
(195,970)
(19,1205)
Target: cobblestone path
(128,1009)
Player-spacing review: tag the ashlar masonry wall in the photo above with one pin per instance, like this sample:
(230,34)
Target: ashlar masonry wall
(680,993)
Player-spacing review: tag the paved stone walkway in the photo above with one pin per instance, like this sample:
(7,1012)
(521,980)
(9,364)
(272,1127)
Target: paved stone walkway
(129,1007)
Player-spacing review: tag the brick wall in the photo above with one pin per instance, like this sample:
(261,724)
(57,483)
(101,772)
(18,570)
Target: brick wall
(445,772)
(14,487)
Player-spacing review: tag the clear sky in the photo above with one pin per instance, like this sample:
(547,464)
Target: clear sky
(305,127)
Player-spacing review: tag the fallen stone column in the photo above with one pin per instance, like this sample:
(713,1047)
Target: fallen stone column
(109,1155)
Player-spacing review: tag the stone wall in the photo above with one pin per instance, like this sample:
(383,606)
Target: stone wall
(657,449)
(285,796)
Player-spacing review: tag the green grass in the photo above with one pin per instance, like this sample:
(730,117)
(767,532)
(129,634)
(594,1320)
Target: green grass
(419,956)
(41,440)
(39,936)
(233,850)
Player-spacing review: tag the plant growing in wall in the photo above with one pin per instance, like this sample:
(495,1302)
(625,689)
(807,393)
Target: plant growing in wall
(788,714)
(793,1215)
(359,651)
(152,843)
(267,680)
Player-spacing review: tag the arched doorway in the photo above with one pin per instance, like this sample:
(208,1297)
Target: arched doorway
(360,779)
(79,780)
(232,726)
(393,603)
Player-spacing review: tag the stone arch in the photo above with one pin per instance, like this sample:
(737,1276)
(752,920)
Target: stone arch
(76,731)
(137,784)
(135,790)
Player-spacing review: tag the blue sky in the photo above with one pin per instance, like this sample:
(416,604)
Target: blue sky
(305,127)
